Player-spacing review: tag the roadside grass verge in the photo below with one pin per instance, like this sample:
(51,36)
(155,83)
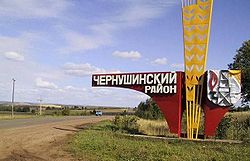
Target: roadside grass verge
(100,143)
(8,116)
(23,116)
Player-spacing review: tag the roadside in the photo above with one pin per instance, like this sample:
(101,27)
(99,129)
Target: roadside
(119,145)
(22,122)
(43,141)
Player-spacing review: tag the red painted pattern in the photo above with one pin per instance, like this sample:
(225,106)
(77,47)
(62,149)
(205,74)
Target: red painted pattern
(213,116)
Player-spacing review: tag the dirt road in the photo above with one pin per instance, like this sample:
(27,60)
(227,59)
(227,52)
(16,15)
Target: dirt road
(40,141)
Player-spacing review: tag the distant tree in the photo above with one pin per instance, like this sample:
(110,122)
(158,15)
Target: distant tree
(66,112)
(124,113)
(93,112)
(242,62)
(33,111)
(5,108)
(148,110)
(22,109)
(25,109)
(18,109)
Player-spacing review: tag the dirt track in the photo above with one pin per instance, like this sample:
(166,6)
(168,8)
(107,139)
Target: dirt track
(41,142)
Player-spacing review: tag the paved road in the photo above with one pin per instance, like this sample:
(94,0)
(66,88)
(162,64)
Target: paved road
(41,139)
(4,124)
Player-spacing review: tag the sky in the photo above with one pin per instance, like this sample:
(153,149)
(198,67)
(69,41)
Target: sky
(51,47)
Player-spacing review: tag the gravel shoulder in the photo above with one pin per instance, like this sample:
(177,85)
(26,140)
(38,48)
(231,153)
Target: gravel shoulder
(41,141)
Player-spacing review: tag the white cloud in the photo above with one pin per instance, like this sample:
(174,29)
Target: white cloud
(19,43)
(50,74)
(159,61)
(140,12)
(72,88)
(101,32)
(33,8)
(11,55)
(101,92)
(135,13)
(77,42)
(127,54)
(45,84)
(81,69)
(178,66)
(24,42)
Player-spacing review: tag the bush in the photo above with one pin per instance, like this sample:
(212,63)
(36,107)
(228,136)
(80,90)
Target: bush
(93,112)
(33,111)
(234,127)
(126,124)
(5,108)
(223,127)
(57,113)
(22,109)
(149,110)
(84,113)
(66,112)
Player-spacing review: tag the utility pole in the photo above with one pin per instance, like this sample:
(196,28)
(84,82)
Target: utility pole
(12,100)
(40,106)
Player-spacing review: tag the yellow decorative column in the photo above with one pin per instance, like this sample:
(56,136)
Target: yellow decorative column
(196,18)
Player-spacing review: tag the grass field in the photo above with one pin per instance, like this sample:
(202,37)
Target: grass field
(105,111)
(153,127)
(6,115)
(102,144)
(22,116)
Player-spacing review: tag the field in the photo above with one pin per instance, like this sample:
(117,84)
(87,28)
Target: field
(99,142)
(6,115)
(105,111)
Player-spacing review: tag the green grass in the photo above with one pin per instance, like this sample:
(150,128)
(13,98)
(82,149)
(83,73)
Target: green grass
(22,116)
(101,143)
(88,112)
(8,116)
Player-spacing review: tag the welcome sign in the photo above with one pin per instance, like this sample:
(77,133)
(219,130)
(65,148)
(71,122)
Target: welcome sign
(158,83)
(165,88)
